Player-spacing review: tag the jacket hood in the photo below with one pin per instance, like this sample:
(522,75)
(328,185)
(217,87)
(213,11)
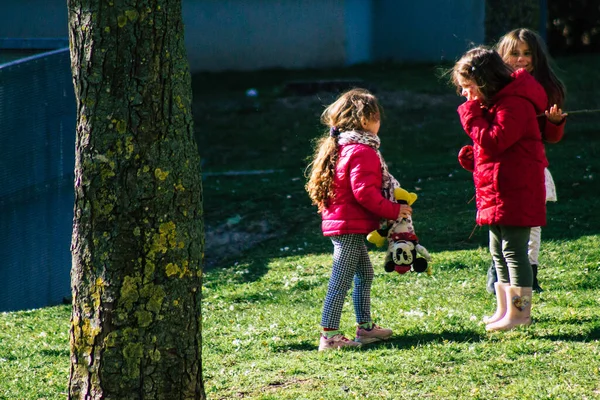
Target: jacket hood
(526,86)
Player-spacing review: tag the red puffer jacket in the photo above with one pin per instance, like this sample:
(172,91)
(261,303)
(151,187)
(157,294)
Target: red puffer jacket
(358,204)
(508,152)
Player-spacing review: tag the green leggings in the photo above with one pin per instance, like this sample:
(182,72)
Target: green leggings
(509,246)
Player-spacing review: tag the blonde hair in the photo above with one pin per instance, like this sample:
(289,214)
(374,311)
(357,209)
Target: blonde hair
(540,60)
(347,113)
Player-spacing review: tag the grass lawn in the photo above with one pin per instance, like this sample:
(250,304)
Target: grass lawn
(268,264)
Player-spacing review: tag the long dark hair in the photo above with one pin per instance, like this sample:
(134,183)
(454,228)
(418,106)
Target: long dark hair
(540,60)
(485,67)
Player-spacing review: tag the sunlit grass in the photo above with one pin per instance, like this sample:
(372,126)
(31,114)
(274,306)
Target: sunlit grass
(261,335)
(261,308)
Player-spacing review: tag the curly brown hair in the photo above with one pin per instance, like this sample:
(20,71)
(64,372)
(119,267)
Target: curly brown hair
(347,113)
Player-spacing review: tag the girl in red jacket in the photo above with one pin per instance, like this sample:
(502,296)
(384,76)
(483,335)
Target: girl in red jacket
(508,161)
(523,48)
(350,184)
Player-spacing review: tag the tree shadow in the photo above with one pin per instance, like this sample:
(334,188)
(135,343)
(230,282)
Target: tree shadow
(55,353)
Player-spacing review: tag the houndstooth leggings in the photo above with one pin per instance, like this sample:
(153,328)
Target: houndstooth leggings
(350,260)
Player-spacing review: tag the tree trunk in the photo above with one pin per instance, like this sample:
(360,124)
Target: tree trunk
(138,236)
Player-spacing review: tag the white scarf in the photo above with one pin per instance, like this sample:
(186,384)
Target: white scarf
(388,182)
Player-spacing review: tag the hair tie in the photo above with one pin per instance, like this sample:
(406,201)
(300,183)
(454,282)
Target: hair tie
(334,131)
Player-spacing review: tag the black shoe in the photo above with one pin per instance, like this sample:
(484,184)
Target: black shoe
(492,278)
(536,285)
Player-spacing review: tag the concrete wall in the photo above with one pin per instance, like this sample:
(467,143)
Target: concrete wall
(258,34)
(359,31)
(33,19)
(432,30)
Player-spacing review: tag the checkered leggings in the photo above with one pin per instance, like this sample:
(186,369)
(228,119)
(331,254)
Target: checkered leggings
(350,260)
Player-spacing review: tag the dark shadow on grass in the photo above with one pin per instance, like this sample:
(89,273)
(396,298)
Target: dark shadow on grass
(256,269)
(590,336)
(299,346)
(400,342)
(54,353)
(408,341)
(565,321)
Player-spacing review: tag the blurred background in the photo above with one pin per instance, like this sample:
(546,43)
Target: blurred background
(257,50)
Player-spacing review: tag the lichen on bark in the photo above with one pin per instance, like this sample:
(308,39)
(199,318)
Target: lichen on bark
(137,234)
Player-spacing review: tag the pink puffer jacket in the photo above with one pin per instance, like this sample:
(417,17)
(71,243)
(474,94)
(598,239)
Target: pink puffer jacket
(508,154)
(358,204)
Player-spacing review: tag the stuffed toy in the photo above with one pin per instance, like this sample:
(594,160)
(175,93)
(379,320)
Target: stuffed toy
(403,244)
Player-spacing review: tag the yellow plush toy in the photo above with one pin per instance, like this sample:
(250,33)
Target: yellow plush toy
(403,243)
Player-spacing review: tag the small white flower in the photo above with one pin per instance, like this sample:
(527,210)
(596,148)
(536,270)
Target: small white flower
(415,313)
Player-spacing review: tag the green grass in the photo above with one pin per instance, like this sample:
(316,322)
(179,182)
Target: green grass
(261,308)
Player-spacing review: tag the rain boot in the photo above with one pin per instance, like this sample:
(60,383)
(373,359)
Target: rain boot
(492,278)
(536,285)
(518,309)
(500,289)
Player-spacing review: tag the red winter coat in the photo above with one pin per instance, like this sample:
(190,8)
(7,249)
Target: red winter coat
(551,133)
(358,204)
(508,152)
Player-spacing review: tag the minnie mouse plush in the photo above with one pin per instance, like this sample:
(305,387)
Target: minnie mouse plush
(403,243)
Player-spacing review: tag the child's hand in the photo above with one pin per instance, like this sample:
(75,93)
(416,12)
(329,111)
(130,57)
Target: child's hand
(466,152)
(555,115)
(466,158)
(405,211)
(470,92)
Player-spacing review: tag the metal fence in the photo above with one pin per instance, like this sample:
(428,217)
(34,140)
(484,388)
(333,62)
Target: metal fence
(37,148)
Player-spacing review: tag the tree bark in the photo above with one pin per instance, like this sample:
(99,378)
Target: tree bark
(138,236)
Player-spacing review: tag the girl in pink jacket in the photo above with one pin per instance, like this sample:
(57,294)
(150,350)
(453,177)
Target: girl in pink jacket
(508,161)
(353,190)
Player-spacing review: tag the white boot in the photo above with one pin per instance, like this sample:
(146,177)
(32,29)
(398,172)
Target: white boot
(500,303)
(518,309)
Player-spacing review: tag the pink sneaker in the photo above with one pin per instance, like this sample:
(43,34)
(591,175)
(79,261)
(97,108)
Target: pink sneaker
(336,342)
(375,334)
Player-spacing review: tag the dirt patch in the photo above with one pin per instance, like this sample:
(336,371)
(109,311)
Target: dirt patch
(229,241)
